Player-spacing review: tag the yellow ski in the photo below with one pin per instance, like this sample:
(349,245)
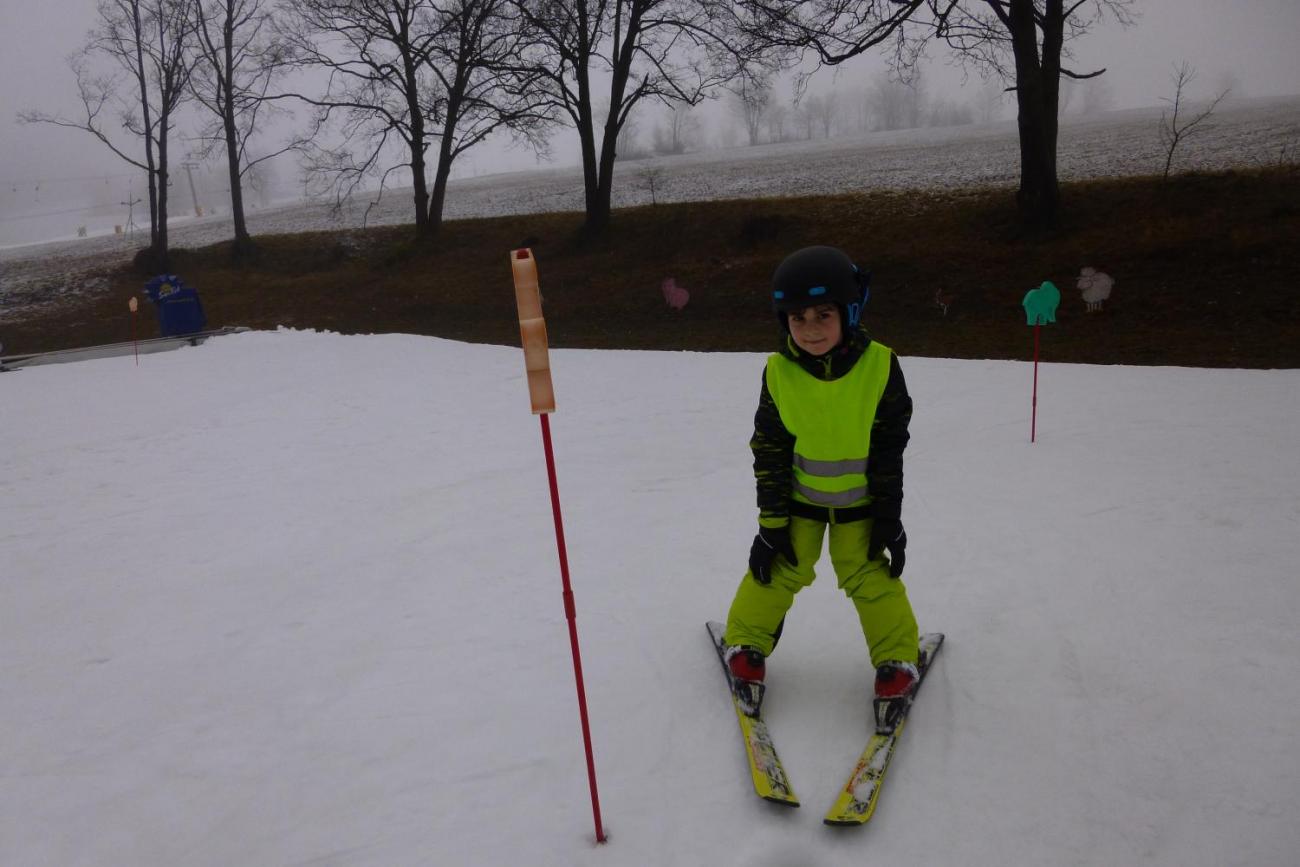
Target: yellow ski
(857,800)
(770,781)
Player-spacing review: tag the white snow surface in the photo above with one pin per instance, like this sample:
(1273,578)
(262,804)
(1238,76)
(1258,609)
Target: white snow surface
(293,598)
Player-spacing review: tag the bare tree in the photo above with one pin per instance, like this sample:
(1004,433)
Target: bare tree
(835,31)
(1025,42)
(410,70)
(665,50)
(480,87)
(751,99)
(776,119)
(236,65)
(1175,130)
(823,109)
(1022,41)
(652,178)
(373,52)
(892,104)
(680,131)
(802,113)
(145,43)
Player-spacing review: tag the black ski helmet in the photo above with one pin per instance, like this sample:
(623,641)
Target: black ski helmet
(820,275)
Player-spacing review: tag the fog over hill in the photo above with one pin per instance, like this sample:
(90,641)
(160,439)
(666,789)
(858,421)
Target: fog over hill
(1241,134)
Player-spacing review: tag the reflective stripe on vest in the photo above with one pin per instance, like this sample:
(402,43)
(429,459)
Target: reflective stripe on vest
(831,422)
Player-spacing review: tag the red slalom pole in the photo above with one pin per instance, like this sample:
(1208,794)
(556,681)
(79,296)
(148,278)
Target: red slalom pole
(537,365)
(135,346)
(571,613)
(1040,307)
(1033,423)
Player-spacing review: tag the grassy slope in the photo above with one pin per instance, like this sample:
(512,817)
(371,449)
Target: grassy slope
(1205,267)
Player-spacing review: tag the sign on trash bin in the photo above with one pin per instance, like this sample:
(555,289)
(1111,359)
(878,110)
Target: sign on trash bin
(179,309)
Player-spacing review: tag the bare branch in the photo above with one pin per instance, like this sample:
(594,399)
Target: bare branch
(1080,76)
(1174,131)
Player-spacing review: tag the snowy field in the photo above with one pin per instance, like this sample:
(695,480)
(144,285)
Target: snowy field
(292,598)
(1248,133)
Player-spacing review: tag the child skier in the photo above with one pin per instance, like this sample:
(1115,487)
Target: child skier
(828,448)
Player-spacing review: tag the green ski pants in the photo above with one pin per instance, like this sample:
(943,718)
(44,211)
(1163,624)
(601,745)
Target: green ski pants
(883,608)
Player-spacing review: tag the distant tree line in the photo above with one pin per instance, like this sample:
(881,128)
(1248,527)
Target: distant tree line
(432,79)
(763,116)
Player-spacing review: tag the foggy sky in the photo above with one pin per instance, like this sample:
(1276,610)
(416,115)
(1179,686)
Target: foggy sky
(1253,43)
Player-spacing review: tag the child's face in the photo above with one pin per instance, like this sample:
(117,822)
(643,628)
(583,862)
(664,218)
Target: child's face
(816,330)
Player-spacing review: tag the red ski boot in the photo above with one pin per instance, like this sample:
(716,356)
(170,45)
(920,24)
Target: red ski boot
(747,668)
(895,684)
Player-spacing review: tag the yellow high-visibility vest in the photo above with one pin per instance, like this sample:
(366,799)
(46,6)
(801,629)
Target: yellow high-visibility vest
(831,421)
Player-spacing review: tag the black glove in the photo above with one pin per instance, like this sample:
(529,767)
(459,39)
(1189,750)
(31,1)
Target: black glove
(889,535)
(769,542)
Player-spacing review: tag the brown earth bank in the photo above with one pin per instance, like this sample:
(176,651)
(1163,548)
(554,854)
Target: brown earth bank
(1205,269)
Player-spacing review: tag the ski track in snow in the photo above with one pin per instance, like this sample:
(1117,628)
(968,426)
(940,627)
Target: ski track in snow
(1248,133)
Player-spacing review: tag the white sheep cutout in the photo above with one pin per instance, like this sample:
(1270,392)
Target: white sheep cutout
(1095,286)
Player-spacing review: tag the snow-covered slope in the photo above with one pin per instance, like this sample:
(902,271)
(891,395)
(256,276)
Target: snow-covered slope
(292,598)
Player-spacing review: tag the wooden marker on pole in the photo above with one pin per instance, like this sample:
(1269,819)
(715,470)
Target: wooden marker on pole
(532,332)
(537,364)
(134,305)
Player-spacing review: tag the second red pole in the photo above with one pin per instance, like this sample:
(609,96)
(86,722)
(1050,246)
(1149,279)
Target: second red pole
(1033,423)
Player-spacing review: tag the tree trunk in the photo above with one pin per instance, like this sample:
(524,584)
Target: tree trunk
(587,145)
(442,171)
(1038,195)
(243,243)
(599,210)
(1037,84)
(419,184)
(160,249)
(142,82)
(439,198)
(152,162)
(153,193)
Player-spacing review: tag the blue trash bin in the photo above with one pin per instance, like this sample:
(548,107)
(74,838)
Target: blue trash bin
(179,309)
